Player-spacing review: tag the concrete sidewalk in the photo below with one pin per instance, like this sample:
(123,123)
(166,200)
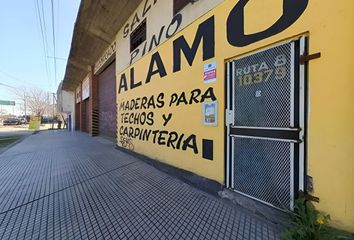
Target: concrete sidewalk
(61,185)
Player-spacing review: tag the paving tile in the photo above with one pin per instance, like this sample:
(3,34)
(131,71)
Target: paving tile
(60,185)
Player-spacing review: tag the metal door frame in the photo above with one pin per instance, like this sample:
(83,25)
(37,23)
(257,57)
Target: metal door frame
(302,105)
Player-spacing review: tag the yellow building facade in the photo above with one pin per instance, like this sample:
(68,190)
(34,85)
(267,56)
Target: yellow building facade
(181,103)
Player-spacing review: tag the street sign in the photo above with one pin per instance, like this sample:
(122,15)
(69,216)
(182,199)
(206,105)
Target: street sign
(7,103)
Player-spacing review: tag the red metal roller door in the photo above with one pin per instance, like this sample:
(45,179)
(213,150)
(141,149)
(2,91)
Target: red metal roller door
(107,101)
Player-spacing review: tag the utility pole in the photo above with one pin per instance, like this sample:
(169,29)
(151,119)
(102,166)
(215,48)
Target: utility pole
(24,103)
(53,112)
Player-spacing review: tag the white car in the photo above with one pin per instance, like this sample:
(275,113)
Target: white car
(23,120)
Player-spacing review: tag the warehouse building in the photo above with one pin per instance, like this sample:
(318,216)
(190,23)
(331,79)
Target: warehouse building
(256,95)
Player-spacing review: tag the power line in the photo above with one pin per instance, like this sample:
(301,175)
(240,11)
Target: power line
(58,21)
(15,78)
(42,27)
(3,84)
(46,44)
(58,58)
(53,33)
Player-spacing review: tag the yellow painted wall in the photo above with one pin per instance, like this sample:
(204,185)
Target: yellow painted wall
(331,88)
(158,14)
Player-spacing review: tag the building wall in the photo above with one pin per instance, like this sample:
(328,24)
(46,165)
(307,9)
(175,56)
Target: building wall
(67,101)
(330,130)
(78,108)
(85,99)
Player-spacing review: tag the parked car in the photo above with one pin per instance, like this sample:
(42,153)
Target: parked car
(23,120)
(11,121)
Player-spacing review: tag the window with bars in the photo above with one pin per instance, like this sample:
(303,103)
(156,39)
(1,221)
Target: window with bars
(138,36)
(178,5)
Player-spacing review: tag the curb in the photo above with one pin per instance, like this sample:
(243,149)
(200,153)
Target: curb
(2,150)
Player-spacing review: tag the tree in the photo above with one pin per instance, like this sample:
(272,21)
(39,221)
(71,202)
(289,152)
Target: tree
(36,101)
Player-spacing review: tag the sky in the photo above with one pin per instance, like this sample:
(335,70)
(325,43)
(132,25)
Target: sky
(27,47)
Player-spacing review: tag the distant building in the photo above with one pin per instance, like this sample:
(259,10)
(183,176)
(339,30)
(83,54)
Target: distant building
(65,107)
(279,77)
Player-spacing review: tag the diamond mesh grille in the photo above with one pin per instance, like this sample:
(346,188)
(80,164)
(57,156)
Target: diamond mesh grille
(263,88)
(262,170)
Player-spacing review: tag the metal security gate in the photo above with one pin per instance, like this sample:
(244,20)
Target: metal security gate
(265,124)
